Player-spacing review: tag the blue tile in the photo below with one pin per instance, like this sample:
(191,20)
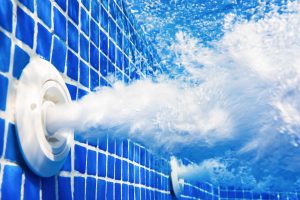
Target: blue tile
(94,81)
(28,3)
(73,91)
(103,65)
(4,51)
(3,92)
(2,125)
(94,57)
(103,82)
(119,38)
(79,188)
(142,156)
(104,19)
(86,3)
(112,8)
(84,48)
(31,186)
(25,27)
(102,142)
(95,10)
(80,158)
(81,93)
(59,55)
(44,11)
(84,19)
(131,173)
(110,166)
(67,163)
(125,149)
(91,162)
(105,4)
(84,74)
(136,174)
(143,176)
(73,10)
(101,188)
(72,37)
(111,145)
(101,165)
(110,190)
(12,151)
(62,4)
(64,188)
(103,43)
(94,32)
(118,169)
(72,64)
(12,177)
(117,191)
(124,192)
(112,52)
(131,151)
(119,147)
(44,39)
(112,29)
(48,188)
(21,59)
(124,170)
(6,13)
(119,59)
(91,188)
(93,142)
(143,193)
(131,192)
(59,24)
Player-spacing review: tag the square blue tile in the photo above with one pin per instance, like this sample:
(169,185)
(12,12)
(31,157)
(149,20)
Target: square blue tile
(91,162)
(86,4)
(124,170)
(125,149)
(104,20)
(110,167)
(64,188)
(6,13)
(79,185)
(31,186)
(62,4)
(102,165)
(59,55)
(25,27)
(91,188)
(84,48)
(124,192)
(44,40)
(103,42)
(131,151)
(111,144)
(72,90)
(118,169)
(94,81)
(103,65)
(4,51)
(112,52)
(101,189)
(94,32)
(136,157)
(95,9)
(44,11)
(131,173)
(119,147)
(131,192)
(94,57)
(119,59)
(117,191)
(105,4)
(67,163)
(110,190)
(136,174)
(72,64)
(119,38)
(29,4)
(84,74)
(12,176)
(3,92)
(102,142)
(73,10)
(80,158)
(143,176)
(112,29)
(72,37)
(48,188)
(21,59)
(85,24)
(59,24)
(12,151)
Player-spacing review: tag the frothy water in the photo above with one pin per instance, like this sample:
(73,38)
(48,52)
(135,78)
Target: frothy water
(234,108)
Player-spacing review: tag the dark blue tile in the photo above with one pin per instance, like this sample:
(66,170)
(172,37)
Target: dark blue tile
(73,91)
(131,173)
(25,27)
(94,79)
(44,11)
(102,142)
(105,4)
(4,51)
(12,151)
(117,169)
(91,162)
(110,190)
(103,65)
(2,125)
(142,156)
(73,9)
(103,42)
(6,13)
(125,149)
(110,166)
(93,142)
(21,59)
(111,145)
(84,74)
(94,33)
(3,92)
(103,82)
(104,20)
(124,170)
(79,188)
(119,59)
(136,156)
(84,48)
(67,163)
(131,192)
(59,24)
(86,4)
(94,57)
(64,188)
(112,52)
(31,186)
(101,165)
(131,151)
(59,55)
(119,147)
(44,39)
(95,10)
(72,37)
(117,191)
(84,19)
(101,188)
(124,192)
(119,38)
(72,64)
(48,188)
(112,29)
(12,176)
(91,188)
(62,4)
(28,3)
(143,193)
(81,93)
(80,158)
(136,174)
(143,176)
